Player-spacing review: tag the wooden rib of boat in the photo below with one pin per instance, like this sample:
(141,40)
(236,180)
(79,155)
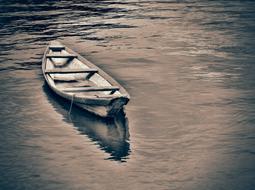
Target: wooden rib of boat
(74,78)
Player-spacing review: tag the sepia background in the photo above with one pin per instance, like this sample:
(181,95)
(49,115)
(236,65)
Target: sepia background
(188,66)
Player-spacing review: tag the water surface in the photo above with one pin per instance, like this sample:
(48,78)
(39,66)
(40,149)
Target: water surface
(189,68)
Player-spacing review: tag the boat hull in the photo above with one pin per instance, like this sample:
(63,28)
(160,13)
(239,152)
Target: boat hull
(103,107)
(110,110)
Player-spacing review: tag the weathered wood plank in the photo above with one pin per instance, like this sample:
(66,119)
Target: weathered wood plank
(56,48)
(64,79)
(55,55)
(92,89)
(63,71)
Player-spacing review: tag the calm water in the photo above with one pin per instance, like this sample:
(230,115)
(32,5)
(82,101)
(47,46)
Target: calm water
(189,67)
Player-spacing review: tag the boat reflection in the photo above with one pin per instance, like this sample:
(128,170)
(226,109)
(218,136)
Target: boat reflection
(111,135)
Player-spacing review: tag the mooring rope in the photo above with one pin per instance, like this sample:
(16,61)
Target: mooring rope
(71,106)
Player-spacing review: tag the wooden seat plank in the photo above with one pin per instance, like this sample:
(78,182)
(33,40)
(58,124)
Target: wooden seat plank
(55,55)
(68,71)
(92,89)
(56,48)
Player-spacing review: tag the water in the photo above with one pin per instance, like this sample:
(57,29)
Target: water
(189,68)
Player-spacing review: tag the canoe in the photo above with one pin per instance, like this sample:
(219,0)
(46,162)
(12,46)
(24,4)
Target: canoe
(85,85)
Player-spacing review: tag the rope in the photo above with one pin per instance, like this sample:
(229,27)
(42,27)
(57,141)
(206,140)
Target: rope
(71,106)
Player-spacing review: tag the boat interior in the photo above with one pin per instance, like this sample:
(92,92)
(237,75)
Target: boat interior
(67,73)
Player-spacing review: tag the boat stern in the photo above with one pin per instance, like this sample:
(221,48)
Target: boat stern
(116,105)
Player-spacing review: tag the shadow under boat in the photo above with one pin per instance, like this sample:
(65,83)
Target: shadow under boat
(111,134)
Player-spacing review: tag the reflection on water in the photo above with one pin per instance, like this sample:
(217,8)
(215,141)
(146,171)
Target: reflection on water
(110,134)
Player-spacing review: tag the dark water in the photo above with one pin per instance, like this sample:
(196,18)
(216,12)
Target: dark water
(189,67)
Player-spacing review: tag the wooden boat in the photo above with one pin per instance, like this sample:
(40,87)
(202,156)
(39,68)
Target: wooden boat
(74,78)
